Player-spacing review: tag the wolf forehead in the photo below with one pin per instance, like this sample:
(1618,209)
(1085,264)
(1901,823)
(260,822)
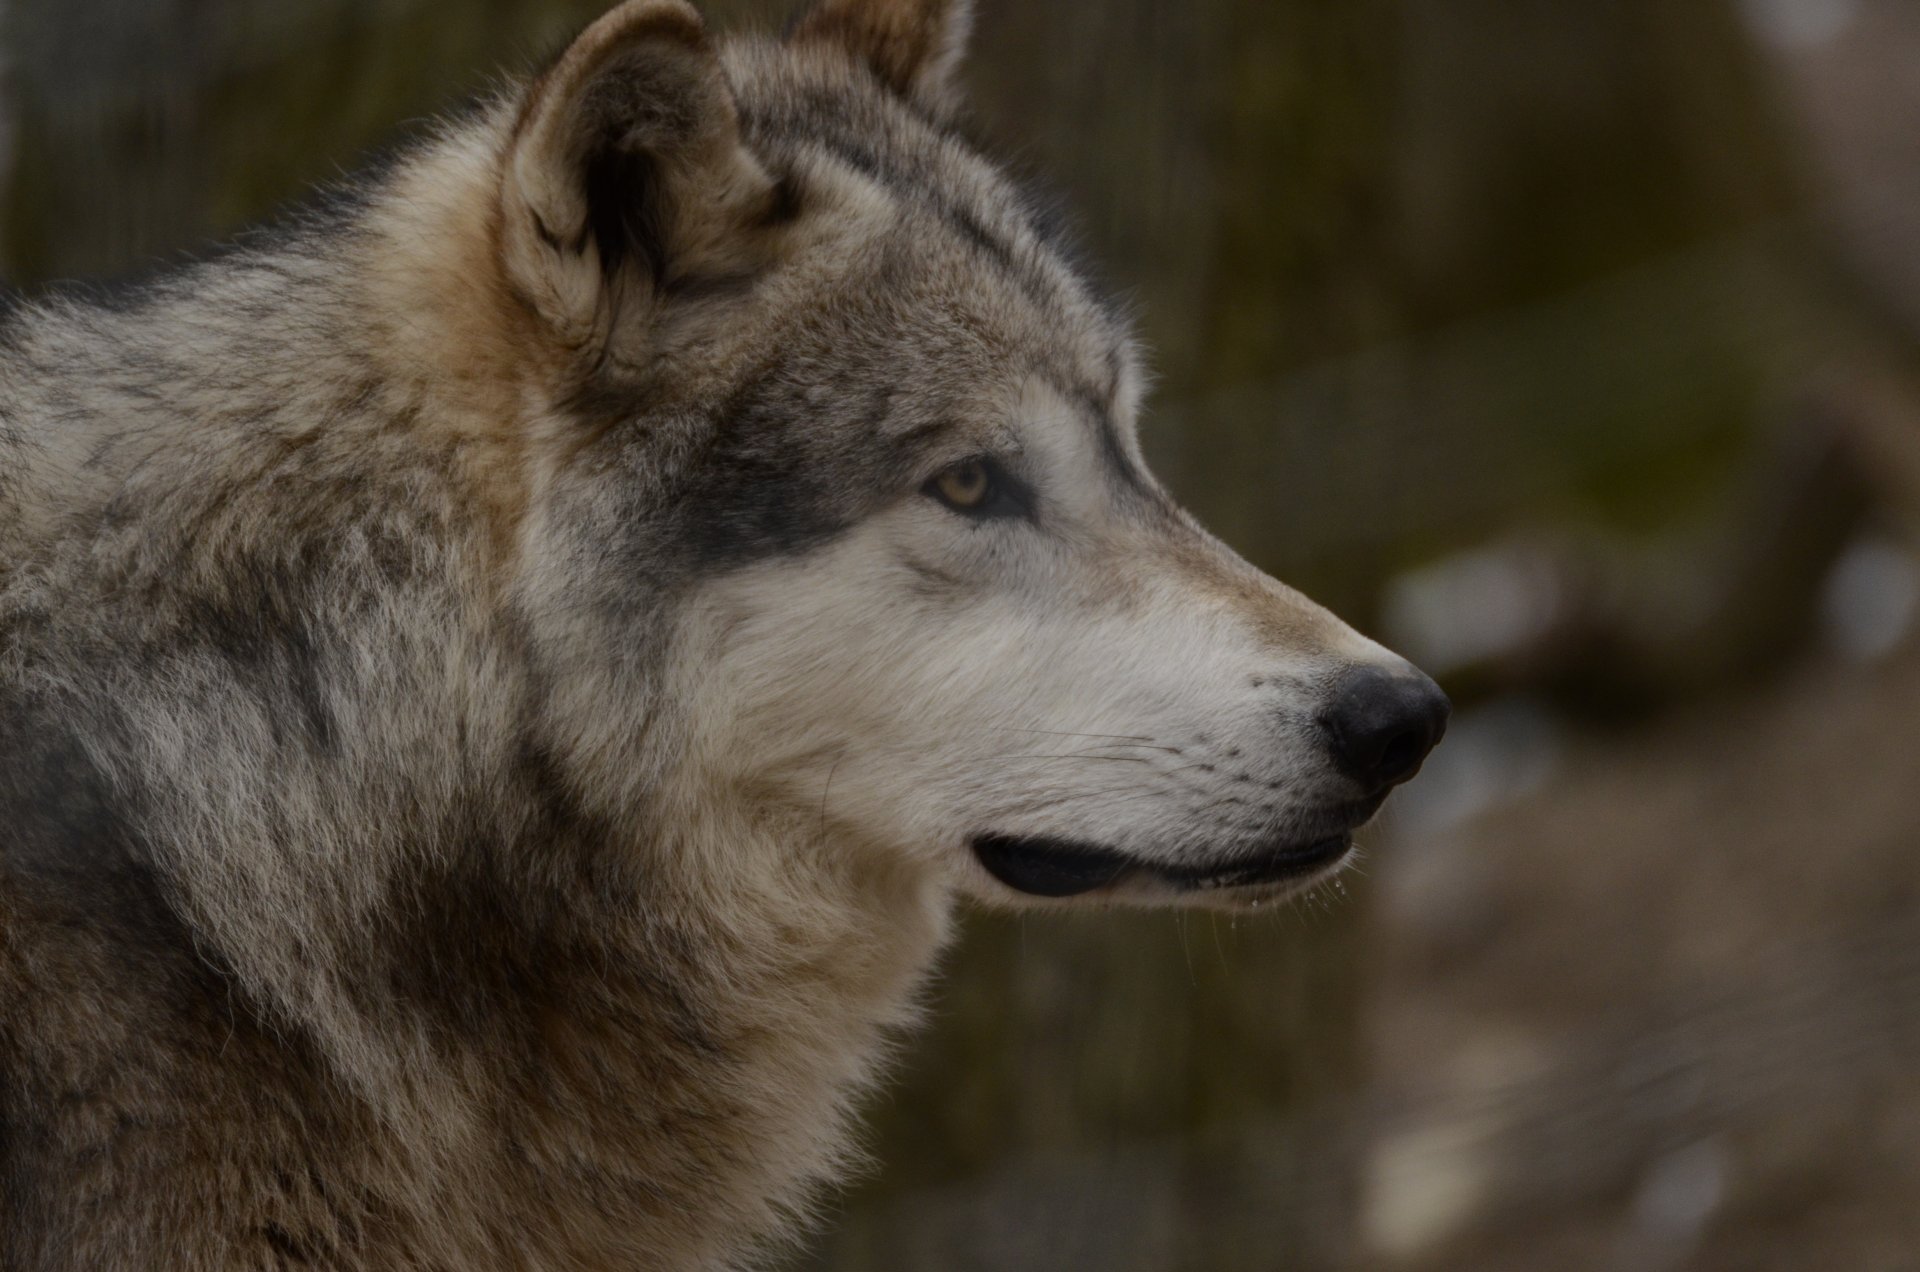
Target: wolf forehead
(917,272)
(816,119)
(915,298)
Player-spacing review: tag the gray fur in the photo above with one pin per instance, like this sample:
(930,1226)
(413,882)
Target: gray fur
(410,853)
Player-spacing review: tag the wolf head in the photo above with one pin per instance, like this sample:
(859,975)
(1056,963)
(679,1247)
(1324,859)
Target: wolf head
(839,494)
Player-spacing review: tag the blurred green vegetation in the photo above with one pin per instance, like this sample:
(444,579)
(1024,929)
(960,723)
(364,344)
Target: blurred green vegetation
(1415,273)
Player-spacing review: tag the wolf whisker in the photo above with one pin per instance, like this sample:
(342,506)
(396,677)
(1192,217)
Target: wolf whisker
(1126,739)
(1081,755)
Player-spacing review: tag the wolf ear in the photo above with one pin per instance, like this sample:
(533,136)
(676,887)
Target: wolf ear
(626,173)
(914,46)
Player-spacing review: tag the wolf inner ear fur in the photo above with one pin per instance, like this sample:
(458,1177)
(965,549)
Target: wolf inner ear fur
(914,46)
(626,175)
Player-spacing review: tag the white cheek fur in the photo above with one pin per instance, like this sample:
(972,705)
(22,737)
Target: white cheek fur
(914,725)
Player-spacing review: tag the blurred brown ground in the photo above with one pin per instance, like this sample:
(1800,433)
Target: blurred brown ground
(1661,1012)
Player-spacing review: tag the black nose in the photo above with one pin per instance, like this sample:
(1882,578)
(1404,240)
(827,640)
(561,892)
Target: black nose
(1383,723)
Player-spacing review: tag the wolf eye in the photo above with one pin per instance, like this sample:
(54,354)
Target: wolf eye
(981,489)
(966,487)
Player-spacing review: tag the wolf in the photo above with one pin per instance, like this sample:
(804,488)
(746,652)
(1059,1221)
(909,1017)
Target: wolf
(505,678)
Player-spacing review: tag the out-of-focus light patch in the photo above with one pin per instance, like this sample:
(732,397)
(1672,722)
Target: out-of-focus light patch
(1471,607)
(1422,1186)
(1681,1193)
(1801,24)
(1870,599)
(1492,755)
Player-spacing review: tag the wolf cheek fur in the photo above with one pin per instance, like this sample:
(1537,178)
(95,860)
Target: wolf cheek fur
(503,680)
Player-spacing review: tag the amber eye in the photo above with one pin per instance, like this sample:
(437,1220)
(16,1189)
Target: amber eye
(965,487)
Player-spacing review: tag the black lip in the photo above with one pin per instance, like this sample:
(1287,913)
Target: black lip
(1048,867)
(1044,867)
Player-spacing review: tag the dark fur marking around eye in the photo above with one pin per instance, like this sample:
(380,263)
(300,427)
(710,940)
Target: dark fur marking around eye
(745,498)
(743,495)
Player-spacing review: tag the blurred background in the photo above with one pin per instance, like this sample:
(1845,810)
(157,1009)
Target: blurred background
(1569,348)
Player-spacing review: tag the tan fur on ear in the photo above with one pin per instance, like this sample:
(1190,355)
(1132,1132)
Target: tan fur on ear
(625,169)
(916,46)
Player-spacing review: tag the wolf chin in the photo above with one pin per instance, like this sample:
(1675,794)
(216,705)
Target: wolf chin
(504,678)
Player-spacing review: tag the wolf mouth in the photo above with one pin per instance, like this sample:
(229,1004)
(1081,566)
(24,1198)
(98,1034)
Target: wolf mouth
(1058,868)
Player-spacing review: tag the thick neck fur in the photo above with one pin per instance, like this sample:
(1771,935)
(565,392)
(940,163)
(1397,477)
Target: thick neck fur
(409,993)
